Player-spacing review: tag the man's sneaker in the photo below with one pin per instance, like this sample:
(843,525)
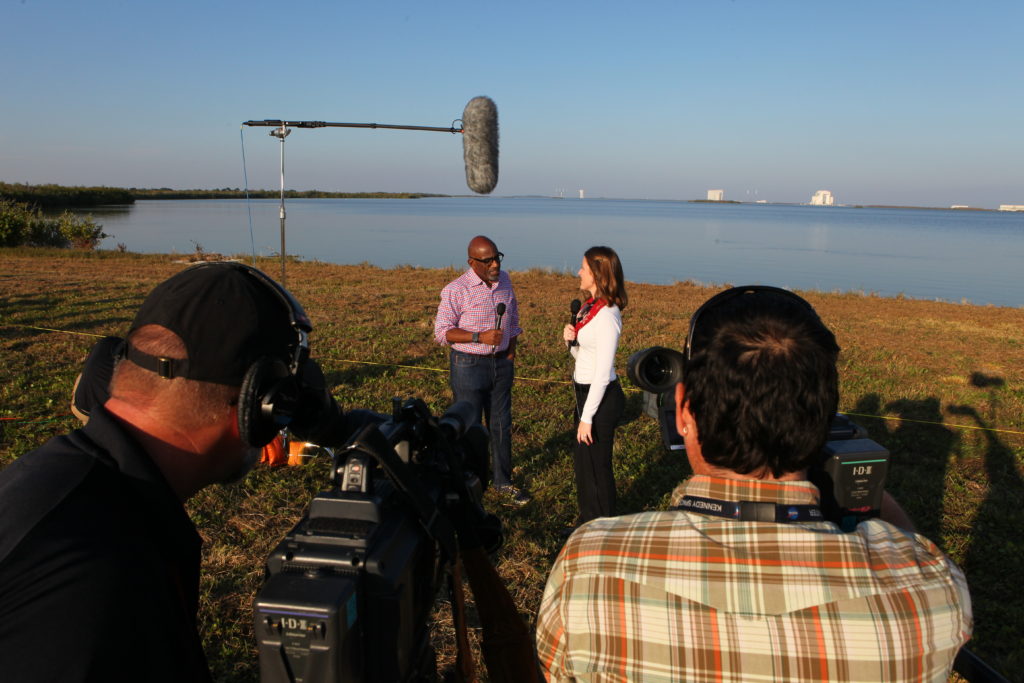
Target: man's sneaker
(514,495)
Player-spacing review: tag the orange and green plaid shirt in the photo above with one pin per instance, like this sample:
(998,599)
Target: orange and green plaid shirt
(681,596)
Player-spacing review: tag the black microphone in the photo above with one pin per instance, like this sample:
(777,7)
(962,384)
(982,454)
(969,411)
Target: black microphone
(574,309)
(480,144)
(500,310)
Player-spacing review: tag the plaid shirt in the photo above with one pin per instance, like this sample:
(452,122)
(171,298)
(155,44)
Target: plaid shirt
(467,303)
(681,596)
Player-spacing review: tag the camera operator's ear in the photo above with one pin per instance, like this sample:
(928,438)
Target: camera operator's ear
(266,401)
(680,398)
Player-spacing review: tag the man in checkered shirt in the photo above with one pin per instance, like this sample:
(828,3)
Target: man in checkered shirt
(703,593)
(479,318)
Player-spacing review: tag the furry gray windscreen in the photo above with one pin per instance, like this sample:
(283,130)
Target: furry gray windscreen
(480,144)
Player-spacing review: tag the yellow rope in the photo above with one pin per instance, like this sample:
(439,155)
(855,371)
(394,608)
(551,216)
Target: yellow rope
(49,329)
(931,422)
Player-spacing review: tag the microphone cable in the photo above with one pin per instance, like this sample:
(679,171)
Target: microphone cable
(248,204)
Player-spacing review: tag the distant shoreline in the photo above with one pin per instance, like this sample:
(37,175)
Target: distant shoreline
(50,196)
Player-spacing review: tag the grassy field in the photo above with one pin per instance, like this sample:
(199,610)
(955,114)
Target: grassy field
(941,385)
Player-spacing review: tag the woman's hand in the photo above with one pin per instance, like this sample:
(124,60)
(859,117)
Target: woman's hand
(583,434)
(569,333)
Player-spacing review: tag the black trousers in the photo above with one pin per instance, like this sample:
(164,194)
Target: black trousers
(595,481)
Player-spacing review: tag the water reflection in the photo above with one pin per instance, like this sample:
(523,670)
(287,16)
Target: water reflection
(920,253)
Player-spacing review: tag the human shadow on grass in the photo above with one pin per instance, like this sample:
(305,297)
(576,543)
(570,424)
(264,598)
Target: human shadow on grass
(919,447)
(994,559)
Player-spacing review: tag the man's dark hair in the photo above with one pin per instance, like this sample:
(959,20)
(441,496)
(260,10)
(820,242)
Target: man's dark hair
(761,382)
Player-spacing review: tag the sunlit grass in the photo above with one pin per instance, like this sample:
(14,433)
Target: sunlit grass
(929,380)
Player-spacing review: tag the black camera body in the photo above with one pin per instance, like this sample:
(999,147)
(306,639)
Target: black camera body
(349,591)
(852,470)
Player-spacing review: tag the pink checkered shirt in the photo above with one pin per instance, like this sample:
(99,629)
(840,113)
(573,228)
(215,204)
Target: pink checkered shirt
(467,303)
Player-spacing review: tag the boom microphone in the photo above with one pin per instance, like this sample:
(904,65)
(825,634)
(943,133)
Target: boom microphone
(480,144)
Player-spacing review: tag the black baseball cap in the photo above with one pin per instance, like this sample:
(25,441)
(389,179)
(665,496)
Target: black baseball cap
(229,315)
(94,383)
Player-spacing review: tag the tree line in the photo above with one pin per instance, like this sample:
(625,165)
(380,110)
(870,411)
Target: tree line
(50,196)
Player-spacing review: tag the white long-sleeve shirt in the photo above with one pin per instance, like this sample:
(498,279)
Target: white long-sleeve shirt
(595,356)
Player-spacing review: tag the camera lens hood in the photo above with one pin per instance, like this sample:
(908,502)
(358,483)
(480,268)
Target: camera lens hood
(655,369)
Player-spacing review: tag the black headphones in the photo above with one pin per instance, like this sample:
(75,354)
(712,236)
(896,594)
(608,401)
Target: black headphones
(732,293)
(272,386)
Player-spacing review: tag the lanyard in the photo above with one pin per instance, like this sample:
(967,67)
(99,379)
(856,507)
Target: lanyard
(750,511)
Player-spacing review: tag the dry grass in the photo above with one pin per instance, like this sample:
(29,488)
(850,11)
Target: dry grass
(933,382)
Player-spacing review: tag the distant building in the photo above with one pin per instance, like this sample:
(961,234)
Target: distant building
(959,206)
(582,194)
(823,198)
(716,195)
(1011,207)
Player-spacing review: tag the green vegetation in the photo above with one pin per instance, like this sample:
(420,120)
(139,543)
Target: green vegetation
(235,193)
(21,224)
(59,196)
(940,385)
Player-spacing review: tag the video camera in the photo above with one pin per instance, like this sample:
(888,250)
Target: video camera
(852,470)
(349,591)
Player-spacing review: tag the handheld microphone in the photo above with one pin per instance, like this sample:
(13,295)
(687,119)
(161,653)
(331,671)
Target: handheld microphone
(500,310)
(480,144)
(574,309)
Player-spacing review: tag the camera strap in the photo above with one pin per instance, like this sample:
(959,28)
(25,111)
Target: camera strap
(751,511)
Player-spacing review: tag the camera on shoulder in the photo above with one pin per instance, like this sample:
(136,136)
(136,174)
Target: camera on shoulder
(349,591)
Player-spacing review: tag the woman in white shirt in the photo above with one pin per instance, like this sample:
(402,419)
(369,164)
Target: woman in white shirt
(593,341)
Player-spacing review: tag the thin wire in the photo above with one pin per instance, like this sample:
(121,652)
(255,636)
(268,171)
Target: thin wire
(50,329)
(932,422)
(248,204)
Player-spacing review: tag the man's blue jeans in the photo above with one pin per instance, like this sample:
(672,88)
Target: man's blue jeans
(486,382)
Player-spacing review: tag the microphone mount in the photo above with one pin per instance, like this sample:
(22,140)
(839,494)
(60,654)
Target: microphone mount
(282,128)
(278,123)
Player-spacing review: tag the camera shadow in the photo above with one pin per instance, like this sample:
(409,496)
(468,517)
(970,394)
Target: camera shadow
(993,560)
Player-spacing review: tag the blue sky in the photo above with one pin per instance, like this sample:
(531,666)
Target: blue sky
(881,102)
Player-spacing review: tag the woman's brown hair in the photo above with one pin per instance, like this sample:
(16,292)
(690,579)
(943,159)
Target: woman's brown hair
(607,269)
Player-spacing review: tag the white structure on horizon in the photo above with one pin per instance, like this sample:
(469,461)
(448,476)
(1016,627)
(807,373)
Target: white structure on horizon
(716,195)
(1011,207)
(583,195)
(823,198)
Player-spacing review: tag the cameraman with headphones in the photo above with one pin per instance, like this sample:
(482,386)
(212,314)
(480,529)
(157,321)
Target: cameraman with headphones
(742,578)
(99,562)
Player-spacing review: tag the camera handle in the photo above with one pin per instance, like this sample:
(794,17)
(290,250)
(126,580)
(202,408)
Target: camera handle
(374,444)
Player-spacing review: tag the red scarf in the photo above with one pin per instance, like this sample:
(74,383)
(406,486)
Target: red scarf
(590,309)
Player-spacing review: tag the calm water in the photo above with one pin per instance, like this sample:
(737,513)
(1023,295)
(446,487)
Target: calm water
(928,254)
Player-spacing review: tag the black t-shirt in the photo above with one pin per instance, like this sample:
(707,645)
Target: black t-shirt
(99,565)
